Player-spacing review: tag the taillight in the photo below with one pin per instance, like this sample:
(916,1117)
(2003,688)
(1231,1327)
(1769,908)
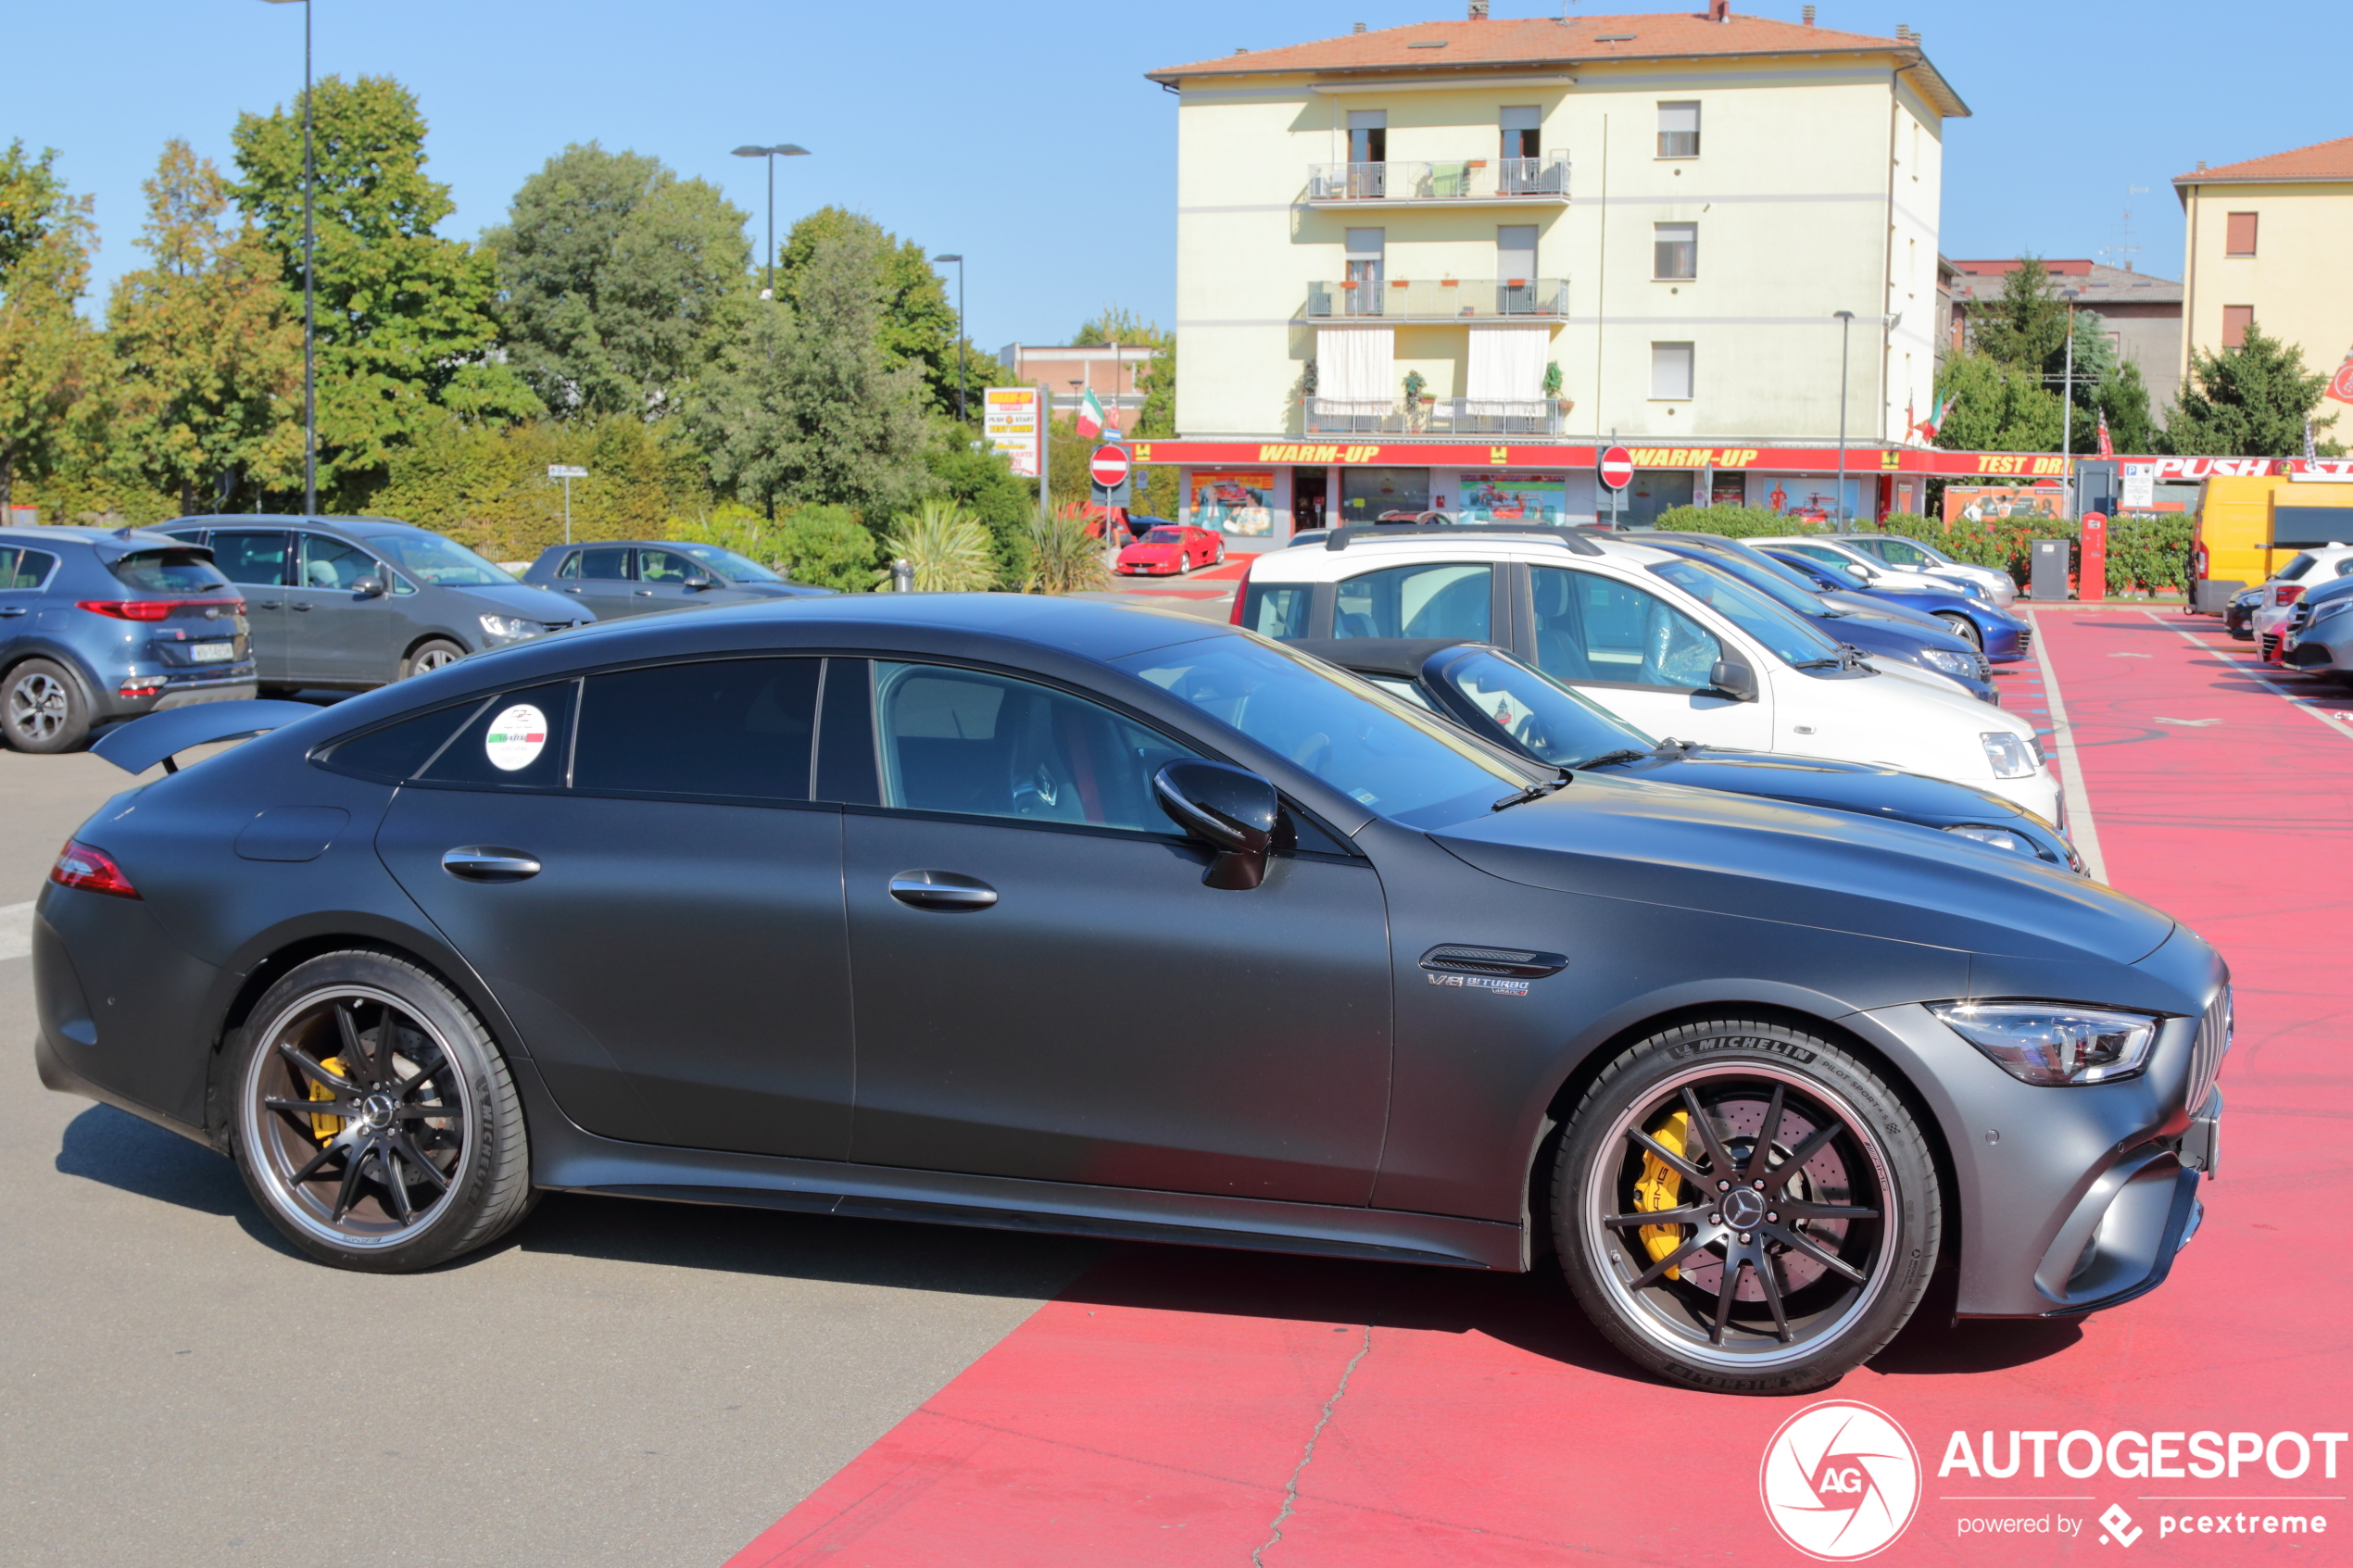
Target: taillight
(2287,593)
(80,865)
(1242,591)
(149,610)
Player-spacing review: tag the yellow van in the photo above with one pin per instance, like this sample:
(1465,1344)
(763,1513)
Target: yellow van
(2247,529)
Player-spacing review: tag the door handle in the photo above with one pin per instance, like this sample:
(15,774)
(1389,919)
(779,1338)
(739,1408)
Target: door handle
(645,593)
(265,604)
(572,590)
(945,891)
(489,862)
(11,609)
(299,607)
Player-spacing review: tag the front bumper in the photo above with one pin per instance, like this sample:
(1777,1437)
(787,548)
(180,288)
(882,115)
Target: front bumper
(2007,639)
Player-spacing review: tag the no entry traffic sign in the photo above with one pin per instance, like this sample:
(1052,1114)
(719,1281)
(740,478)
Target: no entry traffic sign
(1108,467)
(1616,468)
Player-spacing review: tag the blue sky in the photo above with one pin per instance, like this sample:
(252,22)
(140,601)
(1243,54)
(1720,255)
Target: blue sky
(1026,138)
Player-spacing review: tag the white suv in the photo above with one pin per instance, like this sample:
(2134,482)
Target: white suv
(1674,647)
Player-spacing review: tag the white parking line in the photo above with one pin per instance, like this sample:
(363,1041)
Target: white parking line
(16,931)
(2080,826)
(2334,726)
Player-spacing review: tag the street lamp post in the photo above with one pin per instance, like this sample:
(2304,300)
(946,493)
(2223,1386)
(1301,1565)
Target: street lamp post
(959,333)
(1845,325)
(309,322)
(783,149)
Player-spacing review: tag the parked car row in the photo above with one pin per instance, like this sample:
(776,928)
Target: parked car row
(98,626)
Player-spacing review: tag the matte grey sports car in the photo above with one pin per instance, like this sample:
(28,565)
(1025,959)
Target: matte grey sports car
(835,907)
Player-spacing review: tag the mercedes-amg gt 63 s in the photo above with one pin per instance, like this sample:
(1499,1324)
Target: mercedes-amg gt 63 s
(835,906)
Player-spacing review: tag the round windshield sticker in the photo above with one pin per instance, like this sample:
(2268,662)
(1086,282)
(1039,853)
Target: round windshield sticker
(516,737)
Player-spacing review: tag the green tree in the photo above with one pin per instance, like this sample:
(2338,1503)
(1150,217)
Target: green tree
(405,316)
(824,547)
(50,360)
(208,345)
(1117,323)
(810,405)
(2248,402)
(618,281)
(1156,486)
(1994,407)
(2025,325)
(2124,397)
(916,319)
(983,483)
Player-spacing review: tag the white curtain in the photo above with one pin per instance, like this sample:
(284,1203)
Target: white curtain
(1507,367)
(1356,370)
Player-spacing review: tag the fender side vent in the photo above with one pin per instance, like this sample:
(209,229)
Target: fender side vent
(1517,963)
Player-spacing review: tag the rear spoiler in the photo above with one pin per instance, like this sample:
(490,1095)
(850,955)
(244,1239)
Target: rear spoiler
(140,745)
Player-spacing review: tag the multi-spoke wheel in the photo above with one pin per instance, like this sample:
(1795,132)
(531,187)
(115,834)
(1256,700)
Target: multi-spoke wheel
(1746,1207)
(41,708)
(376,1121)
(430,656)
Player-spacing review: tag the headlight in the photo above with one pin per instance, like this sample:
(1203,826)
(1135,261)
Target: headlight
(509,628)
(2329,607)
(2051,1042)
(2000,838)
(1946,663)
(2012,756)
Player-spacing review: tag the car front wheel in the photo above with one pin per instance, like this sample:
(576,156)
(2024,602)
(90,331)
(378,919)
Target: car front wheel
(373,1118)
(429,656)
(1745,1208)
(1961,626)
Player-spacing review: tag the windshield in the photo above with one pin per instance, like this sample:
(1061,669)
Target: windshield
(1767,580)
(1406,765)
(169,572)
(444,563)
(1789,638)
(1545,719)
(729,565)
(1163,536)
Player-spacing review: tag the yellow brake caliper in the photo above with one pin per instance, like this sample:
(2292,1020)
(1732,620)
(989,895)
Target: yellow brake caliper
(324,1128)
(1658,1187)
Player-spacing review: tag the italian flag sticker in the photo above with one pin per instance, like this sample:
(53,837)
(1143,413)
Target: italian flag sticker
(516,737)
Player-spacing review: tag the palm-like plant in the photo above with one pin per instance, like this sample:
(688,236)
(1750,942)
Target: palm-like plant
(1065,558)
(947,546)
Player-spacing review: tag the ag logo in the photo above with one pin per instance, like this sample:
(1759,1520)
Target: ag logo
(1840,1480)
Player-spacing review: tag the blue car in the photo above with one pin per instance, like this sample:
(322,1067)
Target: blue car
(2003,637)
(98,625)
(1902,641)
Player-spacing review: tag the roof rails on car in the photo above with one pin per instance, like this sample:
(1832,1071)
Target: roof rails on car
(1567,538)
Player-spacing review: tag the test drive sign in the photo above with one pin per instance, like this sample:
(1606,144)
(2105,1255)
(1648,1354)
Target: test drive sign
(1616,468)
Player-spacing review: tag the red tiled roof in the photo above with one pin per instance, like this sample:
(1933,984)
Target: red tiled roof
(2322,160)
(1542,41)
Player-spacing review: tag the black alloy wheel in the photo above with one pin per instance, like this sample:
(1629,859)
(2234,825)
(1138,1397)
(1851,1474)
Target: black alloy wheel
(41,708)
(1963,627)
(374,1120)
(1745,1208)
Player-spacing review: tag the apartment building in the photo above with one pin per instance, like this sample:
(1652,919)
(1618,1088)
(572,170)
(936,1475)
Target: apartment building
(1474,249)
(2268,241)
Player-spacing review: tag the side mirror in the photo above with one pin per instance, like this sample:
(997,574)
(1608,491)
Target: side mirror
(1730,678)
(696,580)
(369,587)
(1231,809)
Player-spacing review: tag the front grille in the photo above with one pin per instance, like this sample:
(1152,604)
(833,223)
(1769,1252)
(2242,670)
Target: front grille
(2271,646)
(2213,1041)
(2026,639)
(2300,618)
(1984,669)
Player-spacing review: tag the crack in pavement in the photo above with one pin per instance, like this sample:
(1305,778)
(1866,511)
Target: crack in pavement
(1291,1491)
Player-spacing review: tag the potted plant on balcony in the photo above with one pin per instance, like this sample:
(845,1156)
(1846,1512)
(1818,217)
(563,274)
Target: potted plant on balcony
(1415,401)
(1552,387)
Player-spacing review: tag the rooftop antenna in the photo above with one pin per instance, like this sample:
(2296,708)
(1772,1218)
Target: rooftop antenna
(2120,248)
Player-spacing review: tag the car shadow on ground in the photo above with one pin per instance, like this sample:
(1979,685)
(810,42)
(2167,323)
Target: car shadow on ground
(1533,1312)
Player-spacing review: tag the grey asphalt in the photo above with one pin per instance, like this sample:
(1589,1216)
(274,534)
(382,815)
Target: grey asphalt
(616,1383)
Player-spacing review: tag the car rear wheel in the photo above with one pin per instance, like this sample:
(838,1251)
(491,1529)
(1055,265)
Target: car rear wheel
(374,1120)
(1963,628)
(430,655)
(42,709)
(1745,1208)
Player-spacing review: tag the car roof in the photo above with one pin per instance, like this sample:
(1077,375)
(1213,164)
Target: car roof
(358,527)
(1381,656)
(1310,563)
(106,544)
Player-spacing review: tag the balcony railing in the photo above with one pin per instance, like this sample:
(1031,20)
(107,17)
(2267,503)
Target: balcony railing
(1439,299)
(1451,416)
(1542,178)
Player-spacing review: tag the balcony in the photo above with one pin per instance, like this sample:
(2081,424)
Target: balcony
(1451,416)
(1439,299)
(1486,182)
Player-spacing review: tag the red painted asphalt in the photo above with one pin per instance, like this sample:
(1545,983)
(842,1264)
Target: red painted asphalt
(1180,1407)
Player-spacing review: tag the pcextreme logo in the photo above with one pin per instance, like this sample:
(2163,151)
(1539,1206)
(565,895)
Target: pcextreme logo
(1840,1480)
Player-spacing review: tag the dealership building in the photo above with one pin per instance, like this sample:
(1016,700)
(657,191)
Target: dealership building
(1435,266)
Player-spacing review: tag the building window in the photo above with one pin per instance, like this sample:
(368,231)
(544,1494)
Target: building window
(1671,370)
(2240,240)
(1523,130)
(1674,251)
(1679,129)
(2236,319)
(1363,290)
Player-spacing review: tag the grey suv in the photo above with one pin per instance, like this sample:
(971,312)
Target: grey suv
(354,602)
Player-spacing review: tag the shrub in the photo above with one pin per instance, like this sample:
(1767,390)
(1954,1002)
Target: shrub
(945,545)
(1063,557)
(827,548)
(2146,551)
(1733,523)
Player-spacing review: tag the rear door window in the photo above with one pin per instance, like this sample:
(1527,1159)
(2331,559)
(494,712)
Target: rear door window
(1276,610)
(519,740)
(257,560)
(396,751)
(1597,628)
(1437,599)
(23,568)
(740,728)
(609,564)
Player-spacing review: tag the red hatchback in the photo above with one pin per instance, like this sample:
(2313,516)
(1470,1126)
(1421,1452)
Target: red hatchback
(1169,550)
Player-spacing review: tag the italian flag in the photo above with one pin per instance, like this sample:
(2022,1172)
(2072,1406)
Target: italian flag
(1091,415)
(1935,420)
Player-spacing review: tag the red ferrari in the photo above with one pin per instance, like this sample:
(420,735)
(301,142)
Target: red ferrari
(1167,551)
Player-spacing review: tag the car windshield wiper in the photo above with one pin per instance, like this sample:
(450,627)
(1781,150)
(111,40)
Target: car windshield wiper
(1819,664)
(1533,792)
(1606,757)
(1849,657)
